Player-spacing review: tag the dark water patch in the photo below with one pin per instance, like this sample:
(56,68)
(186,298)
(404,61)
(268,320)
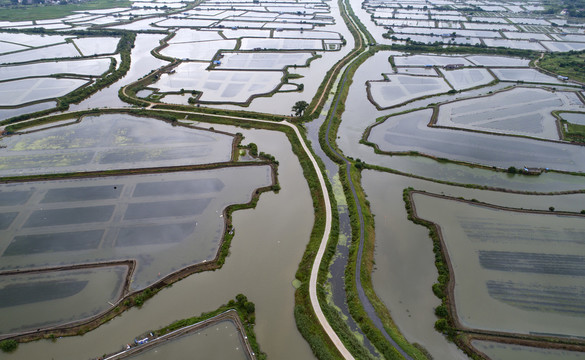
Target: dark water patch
(55,242)
(568,300)
(78,215)
(166,209)
(154,234)
(30,293)
(489,231)
(179,187)
(6,219)
(85,193)
(573,265)
(10,198)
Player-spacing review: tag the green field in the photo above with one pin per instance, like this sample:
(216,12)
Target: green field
(574,132)
(571,64)
(41,12)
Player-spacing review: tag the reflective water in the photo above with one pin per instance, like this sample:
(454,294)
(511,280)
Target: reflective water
(409,132)
(218,341)
(497,351)
(114,141)
(527,268)
(405,248)
(80,67)
(165,221)
(360,113)
(24,91)
(269,242)
(40,300)
(142,63)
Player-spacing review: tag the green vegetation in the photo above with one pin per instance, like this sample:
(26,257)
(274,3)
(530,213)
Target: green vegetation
(9,345)
(570,64)
(571,132)
(575,8)
(41,11)
(299,107)
(124,48)
(445,322)
(440,48)
(356,308)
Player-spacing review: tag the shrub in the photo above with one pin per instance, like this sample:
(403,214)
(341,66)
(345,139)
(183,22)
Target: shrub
(9,345)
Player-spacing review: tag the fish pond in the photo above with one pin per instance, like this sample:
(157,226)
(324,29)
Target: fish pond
(528,272)
(113,141)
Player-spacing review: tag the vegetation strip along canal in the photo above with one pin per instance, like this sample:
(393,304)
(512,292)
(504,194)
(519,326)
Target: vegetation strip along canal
(361,293)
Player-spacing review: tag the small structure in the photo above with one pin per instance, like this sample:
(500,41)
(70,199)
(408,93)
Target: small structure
(453,66)
(216,62)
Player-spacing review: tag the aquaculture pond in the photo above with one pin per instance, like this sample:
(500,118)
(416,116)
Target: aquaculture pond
(405,248)
(164,221)
(498,351)
(492,61)
(142,63)
(113,141)
(262,61)
(467,78)
(95,67)
(219,86)
(402,88)
(42,299)
(19,92)
(574,118)
(361,113)
(7,113)
(527,266)
(217,341)
(519,111)
(409,132)
(268,243)
(525,75)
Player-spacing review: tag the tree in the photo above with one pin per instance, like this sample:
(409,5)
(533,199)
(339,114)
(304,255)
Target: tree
(299,107)
(9,345)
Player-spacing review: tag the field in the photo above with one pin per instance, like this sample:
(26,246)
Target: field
(39,12)
(571,65)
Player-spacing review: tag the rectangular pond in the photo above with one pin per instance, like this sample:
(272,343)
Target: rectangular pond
(525,75)
(50,52)
(164,221)
(91,46)
(410,132)
(499,351)
(402,88)
(24,91)
(93,67)
(514,271)
(219,85)
(461,79)
(201,50)
(519,111)
(42,299)
(217,341)
(114,141)
(262,60)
